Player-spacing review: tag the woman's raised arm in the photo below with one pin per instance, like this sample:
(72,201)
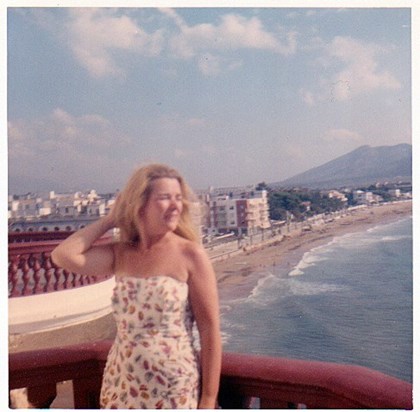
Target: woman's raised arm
(78,254)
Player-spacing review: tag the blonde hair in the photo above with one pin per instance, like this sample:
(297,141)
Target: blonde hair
(135,196)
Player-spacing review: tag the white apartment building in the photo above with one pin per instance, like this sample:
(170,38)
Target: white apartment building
(335,194)
(239,211)
(67,205)
(395,192)
(363,198)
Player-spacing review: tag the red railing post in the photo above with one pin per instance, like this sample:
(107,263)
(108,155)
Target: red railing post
(86,392)
(26,277)
(49,273)
(13,276)
(37,275)
(42,396)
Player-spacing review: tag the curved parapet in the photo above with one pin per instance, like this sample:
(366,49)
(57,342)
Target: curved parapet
(43,312)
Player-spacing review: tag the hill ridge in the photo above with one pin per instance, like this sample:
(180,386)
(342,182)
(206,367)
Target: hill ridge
(365,164)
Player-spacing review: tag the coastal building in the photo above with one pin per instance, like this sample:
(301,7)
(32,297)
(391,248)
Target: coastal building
(335,194)
(242,211)
(395,192)
(55,211)
(363,198)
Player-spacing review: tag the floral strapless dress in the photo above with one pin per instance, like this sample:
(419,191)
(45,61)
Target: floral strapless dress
(152,363)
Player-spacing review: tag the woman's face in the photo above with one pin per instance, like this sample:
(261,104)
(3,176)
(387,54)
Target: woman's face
(164,207)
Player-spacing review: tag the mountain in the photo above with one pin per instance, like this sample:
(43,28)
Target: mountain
(365,165)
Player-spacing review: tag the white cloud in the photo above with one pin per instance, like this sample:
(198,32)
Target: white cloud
(233,32)
(295,152)
(62,146)
(196,122)
(176,123)
(97,37)
(94,34)
(342,135)
(61,131)
(208,43)
(307,97)
(353,68)
(361,72)
(209,64)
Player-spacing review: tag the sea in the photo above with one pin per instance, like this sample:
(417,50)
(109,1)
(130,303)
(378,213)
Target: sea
(349,301)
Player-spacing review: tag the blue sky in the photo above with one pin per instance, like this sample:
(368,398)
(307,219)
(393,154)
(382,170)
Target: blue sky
(229,96)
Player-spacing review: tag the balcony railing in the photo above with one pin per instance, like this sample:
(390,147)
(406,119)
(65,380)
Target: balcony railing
(246,381)
(31,270)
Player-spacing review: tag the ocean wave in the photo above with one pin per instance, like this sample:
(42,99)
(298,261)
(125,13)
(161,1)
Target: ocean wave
(310,289)
(386,226)
(395,238)
(295,272)
(260,295)
(360,240)
(225,336)
(349,241)
(309,259)
(261,284)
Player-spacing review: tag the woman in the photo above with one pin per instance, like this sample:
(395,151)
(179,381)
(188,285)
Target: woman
(164,280)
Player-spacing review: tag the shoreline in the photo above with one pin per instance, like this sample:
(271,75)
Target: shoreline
(238,275)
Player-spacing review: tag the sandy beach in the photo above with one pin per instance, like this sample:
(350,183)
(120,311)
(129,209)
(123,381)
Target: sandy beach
(237,275)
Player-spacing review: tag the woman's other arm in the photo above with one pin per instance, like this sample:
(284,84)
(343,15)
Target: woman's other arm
(77,253)
(205,304)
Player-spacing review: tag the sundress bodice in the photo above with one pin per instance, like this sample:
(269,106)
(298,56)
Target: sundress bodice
(152,305)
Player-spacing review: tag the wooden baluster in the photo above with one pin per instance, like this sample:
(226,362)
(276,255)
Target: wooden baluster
(14,276)
(74,277)
(31,263)
(67,279)
(49,272)
(57,275)
(44,257)
(76,280)
(37,268)
(26,276)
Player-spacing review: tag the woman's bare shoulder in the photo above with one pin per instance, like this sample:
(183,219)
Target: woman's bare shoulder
(195,255)
(190,247)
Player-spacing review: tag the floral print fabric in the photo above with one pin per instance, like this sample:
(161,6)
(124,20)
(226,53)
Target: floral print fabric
(152,363)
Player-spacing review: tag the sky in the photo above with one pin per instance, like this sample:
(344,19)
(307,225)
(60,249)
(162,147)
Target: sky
(228,96)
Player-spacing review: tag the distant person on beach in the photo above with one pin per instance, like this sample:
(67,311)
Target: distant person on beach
(164,281)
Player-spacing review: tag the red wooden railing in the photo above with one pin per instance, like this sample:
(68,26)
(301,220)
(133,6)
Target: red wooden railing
(246,380)
(19,237)
(31,270)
